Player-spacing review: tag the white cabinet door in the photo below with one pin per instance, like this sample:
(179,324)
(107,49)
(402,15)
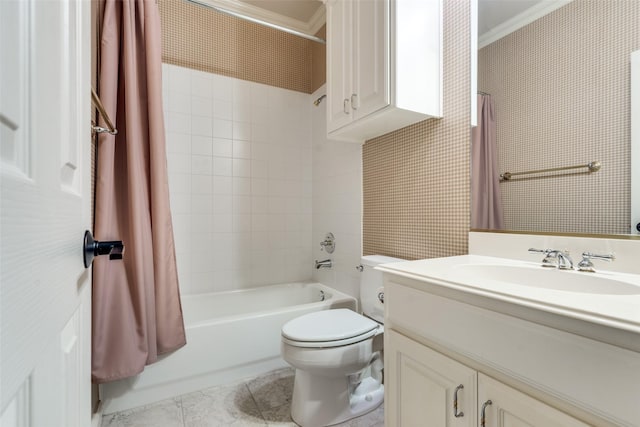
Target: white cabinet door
(507,407)
(45,144)
(420,386)
(339,63)
(371,57)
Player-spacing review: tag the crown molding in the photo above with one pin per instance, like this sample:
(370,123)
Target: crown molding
(271,17)
(519,21)
(318,20)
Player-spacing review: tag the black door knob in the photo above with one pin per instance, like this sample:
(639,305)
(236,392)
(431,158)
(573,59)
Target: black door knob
(92,248)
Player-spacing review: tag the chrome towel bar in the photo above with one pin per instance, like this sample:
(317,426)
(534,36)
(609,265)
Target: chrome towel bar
(592,166)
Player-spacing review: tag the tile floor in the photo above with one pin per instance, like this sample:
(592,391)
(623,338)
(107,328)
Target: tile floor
(262,401)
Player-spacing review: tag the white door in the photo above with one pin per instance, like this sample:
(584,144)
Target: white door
(45,295)
(426,388)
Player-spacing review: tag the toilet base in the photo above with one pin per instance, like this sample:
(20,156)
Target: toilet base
(322,401)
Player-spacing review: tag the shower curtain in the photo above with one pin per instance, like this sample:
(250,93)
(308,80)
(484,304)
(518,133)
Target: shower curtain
(136,303)
(486,201)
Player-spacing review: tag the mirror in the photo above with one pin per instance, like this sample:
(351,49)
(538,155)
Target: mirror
(559,76)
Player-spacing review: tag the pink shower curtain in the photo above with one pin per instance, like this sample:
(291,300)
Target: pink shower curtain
(136,304)
(486,202)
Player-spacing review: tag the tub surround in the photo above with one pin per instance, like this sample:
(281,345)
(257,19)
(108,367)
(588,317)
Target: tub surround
(239,158)
(337,203)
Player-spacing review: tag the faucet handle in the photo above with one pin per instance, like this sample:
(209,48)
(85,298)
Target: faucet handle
(555,258)
(587,265)
(550,256)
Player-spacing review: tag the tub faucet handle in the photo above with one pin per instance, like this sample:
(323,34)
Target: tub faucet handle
(329,243)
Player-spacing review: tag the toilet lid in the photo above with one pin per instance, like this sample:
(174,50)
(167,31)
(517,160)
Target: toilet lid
(328,325)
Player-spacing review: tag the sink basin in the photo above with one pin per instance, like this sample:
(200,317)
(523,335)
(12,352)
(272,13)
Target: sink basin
(545,278)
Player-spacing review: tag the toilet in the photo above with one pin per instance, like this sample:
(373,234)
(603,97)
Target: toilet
(338,356)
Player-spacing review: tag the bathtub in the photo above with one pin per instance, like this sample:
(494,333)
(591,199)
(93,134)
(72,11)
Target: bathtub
(230,336)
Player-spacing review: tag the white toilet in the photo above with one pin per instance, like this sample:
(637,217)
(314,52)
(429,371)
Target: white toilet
(338,367)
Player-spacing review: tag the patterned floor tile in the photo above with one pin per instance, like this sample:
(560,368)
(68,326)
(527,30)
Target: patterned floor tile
(166,413)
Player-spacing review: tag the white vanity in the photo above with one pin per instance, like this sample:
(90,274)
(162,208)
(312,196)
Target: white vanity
(523,344)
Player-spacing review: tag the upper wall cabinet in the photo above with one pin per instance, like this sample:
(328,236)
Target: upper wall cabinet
(384,66)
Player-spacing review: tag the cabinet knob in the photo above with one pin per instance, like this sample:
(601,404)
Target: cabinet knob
(345,108)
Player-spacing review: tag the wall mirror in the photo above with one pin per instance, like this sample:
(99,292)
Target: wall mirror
(559,76)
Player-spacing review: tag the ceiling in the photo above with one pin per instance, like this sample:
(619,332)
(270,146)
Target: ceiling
(496,18)
(300,10)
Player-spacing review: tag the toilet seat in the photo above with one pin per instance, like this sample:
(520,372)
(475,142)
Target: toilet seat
(329,328)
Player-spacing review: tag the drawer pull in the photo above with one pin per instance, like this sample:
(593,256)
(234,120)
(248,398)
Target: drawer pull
(482,412)
(344,106)
(455,402)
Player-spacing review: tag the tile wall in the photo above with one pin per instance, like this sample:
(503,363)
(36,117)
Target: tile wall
(240,179)
(337,203)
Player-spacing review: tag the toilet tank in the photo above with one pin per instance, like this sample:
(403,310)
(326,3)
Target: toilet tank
(371,285)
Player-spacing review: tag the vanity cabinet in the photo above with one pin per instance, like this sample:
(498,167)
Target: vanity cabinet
(425,387)
(384,66)
(506,407)
(438,336)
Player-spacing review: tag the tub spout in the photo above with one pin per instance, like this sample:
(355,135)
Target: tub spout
(323,264)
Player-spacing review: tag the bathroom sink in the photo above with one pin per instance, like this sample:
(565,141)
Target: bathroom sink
(544,278)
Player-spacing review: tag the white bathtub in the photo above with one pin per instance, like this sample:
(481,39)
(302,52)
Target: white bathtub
(230,336)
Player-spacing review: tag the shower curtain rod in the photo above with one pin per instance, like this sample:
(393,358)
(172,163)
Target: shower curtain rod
(257,21)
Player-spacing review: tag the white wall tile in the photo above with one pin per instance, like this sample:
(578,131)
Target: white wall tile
(202,165)
(241,149)
(241,223)
(178,142)
(222,147)
(242,168)
(241,131)
(179,122)
(201,125)
(236,153)
(201,184)
(179,102)
(241,186)
(179,163)
(201,85)
(201,145)
(202,106)
(201,203)
(179,183)
(222,88)
(222,223)
(222,166)
(222,109)
(223,128)
(222,204)
(222,185)
(179,80)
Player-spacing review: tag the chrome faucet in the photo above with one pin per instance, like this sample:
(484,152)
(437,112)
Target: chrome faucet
(323,264)
(587,265)
(555,258)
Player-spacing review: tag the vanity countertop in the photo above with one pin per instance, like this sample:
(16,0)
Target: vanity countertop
(604,305)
